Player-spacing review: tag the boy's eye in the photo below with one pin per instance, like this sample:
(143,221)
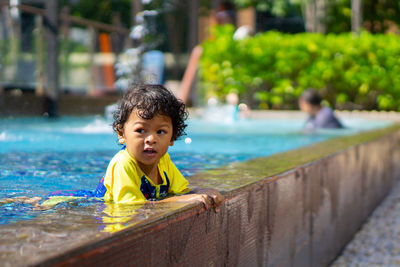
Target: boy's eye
(139,130)
(161,132)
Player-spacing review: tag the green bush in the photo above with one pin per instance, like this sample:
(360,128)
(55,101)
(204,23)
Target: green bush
(271,69)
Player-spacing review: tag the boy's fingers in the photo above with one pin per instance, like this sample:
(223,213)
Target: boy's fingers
(214,194)
(207,201)
(216,197)
(212,201)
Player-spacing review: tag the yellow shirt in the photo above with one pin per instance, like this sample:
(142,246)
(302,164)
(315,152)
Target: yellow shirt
(127,183)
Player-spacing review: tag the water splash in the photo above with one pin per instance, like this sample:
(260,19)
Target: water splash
(215,112)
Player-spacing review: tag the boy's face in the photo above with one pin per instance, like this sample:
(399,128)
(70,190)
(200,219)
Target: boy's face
(307,107)
(147,140)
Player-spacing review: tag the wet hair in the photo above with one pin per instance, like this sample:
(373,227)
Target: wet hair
(311,96)
(148,101)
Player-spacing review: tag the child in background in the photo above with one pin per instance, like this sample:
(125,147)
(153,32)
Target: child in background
(320,117)
(148,120)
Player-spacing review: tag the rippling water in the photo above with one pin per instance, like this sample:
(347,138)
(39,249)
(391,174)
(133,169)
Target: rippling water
(38,156)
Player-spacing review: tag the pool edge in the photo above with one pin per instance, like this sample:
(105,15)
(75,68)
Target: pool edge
(246,203)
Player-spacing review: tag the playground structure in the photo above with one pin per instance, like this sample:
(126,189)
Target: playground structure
(75,76)
(31,71)
(89,72)
(45,33)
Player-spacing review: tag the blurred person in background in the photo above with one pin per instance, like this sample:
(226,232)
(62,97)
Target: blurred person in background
(319,116)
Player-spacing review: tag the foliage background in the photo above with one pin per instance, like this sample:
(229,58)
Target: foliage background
(378,15)
(271,69)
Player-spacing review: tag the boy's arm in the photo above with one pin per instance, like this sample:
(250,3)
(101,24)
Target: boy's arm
(211,198)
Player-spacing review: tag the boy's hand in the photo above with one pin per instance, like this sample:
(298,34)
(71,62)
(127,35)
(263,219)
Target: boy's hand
(211,198)
(21,199)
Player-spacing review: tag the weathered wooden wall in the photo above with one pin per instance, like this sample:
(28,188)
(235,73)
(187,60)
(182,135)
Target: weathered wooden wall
(303,217)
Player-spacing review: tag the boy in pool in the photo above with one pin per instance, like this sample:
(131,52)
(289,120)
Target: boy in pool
(148,120)
(320,117)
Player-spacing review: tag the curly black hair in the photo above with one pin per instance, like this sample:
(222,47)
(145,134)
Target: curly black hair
(150,100)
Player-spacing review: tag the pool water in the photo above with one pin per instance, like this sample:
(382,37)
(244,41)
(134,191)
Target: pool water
(38,155)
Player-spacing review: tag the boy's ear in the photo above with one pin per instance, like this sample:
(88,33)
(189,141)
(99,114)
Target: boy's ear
(171,143)
(120,130)
(120,133)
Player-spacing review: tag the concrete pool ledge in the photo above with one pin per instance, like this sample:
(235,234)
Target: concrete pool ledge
(297,208)
(229,178)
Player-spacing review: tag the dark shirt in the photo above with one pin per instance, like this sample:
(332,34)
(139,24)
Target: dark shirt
(325,118)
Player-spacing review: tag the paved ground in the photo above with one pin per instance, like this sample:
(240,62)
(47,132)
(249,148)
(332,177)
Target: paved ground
(378,241)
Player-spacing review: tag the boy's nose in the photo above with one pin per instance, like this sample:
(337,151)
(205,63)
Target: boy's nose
(150,139)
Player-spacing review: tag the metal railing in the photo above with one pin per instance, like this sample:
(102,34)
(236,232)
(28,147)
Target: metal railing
(95,65)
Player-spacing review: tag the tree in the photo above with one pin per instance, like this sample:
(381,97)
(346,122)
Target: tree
(314,13)
(100,10)
(381,15)
(356,15)
(376,16)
